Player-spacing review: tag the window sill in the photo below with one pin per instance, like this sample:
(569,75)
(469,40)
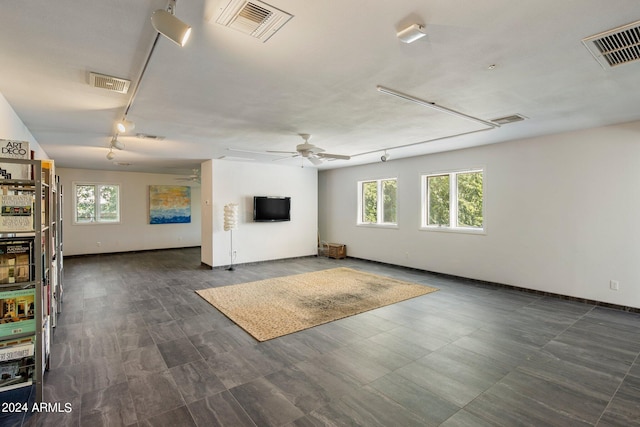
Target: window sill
(96,223)
(481,232)
(388,226)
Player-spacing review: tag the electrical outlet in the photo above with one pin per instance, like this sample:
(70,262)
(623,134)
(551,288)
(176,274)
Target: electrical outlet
(614,285)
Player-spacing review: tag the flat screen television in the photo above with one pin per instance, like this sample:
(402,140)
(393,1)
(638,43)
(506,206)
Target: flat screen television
(270,209)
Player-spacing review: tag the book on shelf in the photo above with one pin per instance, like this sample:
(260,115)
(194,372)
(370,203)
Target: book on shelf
(17,363)
(14,150)
(16,212)
(16,260)
(17,312)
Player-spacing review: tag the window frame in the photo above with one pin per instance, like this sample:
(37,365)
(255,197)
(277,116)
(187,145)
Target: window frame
(453,202)
(379,204)
(97,186)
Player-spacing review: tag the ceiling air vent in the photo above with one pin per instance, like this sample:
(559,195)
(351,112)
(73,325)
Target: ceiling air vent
(148,136)
(111,83)
(615,47)
(508,119)
(254,18)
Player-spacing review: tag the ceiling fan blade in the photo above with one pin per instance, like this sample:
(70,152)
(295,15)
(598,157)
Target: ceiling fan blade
(333,156)
(239,150)
(281,152)
(286,158)
(316,161)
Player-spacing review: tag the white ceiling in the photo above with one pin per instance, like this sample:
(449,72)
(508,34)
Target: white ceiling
(318,74)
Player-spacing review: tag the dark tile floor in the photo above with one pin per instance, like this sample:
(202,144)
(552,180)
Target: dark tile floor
(136,346)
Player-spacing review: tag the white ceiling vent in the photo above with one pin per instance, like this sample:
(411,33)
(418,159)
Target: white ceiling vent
(508,119)
(149,136)
(615,47)
(111,83)
(254,17)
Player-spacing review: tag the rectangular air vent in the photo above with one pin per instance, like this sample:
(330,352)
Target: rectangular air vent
(147,136)
(508,119)
(615,47)
(111,83)
(254,18)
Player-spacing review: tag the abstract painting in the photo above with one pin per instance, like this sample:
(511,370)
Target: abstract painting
(169,204)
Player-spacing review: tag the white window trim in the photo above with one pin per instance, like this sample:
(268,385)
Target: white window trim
(453,207)
(380,207)
(74,184)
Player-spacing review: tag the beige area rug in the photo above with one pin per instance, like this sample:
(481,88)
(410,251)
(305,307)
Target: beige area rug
(274,307)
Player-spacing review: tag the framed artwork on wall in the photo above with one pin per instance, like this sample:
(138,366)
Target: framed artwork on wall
(169,204)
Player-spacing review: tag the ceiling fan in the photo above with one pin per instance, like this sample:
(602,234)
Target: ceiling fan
(310,152)
(194,177)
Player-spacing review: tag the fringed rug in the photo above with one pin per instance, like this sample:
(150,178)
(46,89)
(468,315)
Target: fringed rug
(271,308)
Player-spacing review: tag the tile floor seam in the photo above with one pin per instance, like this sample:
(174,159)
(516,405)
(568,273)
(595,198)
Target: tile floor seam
(613,396)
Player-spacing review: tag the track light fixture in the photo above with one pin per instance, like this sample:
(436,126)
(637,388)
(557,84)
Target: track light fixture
(117,144)
(125,126)
(385,156)
(166,23)
(111,154)
(411,33)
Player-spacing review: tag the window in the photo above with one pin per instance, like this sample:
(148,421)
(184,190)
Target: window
(453,200)
(378,201)
(97,203)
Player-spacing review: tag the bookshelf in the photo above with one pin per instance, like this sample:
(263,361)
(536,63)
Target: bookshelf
(30,270)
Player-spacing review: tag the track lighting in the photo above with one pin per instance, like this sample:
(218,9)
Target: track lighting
(125,126)
(111,154)
(385,156)
(435,106)
(165,22)
(117,144)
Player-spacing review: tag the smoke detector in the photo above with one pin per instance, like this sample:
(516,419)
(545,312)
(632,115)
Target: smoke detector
(615,47)
(114,84)
(255,18)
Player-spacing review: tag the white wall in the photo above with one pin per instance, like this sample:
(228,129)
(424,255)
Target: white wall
(134,231)
(11,127)
(562,214)
(238,182)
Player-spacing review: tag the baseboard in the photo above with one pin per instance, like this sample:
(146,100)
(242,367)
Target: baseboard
(139,251)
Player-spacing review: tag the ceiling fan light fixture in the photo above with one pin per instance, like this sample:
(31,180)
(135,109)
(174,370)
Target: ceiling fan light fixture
(166,23)
(411,33)
(125,126)
(314,160)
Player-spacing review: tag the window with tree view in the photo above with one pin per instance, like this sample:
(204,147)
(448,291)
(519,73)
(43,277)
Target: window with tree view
(97,203)
(378,201)
(454,200)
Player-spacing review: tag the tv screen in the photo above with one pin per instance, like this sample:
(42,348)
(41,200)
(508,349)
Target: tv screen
(271,208)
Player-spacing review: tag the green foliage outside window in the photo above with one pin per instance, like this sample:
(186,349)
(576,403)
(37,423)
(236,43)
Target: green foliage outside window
(379,200)
(97,203)
(85,203)
(109,203)
(470,199)
(438,188)
(460,209)
(370,202)
(389,202)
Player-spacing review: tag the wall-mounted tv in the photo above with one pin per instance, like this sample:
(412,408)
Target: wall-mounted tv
(269,209)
